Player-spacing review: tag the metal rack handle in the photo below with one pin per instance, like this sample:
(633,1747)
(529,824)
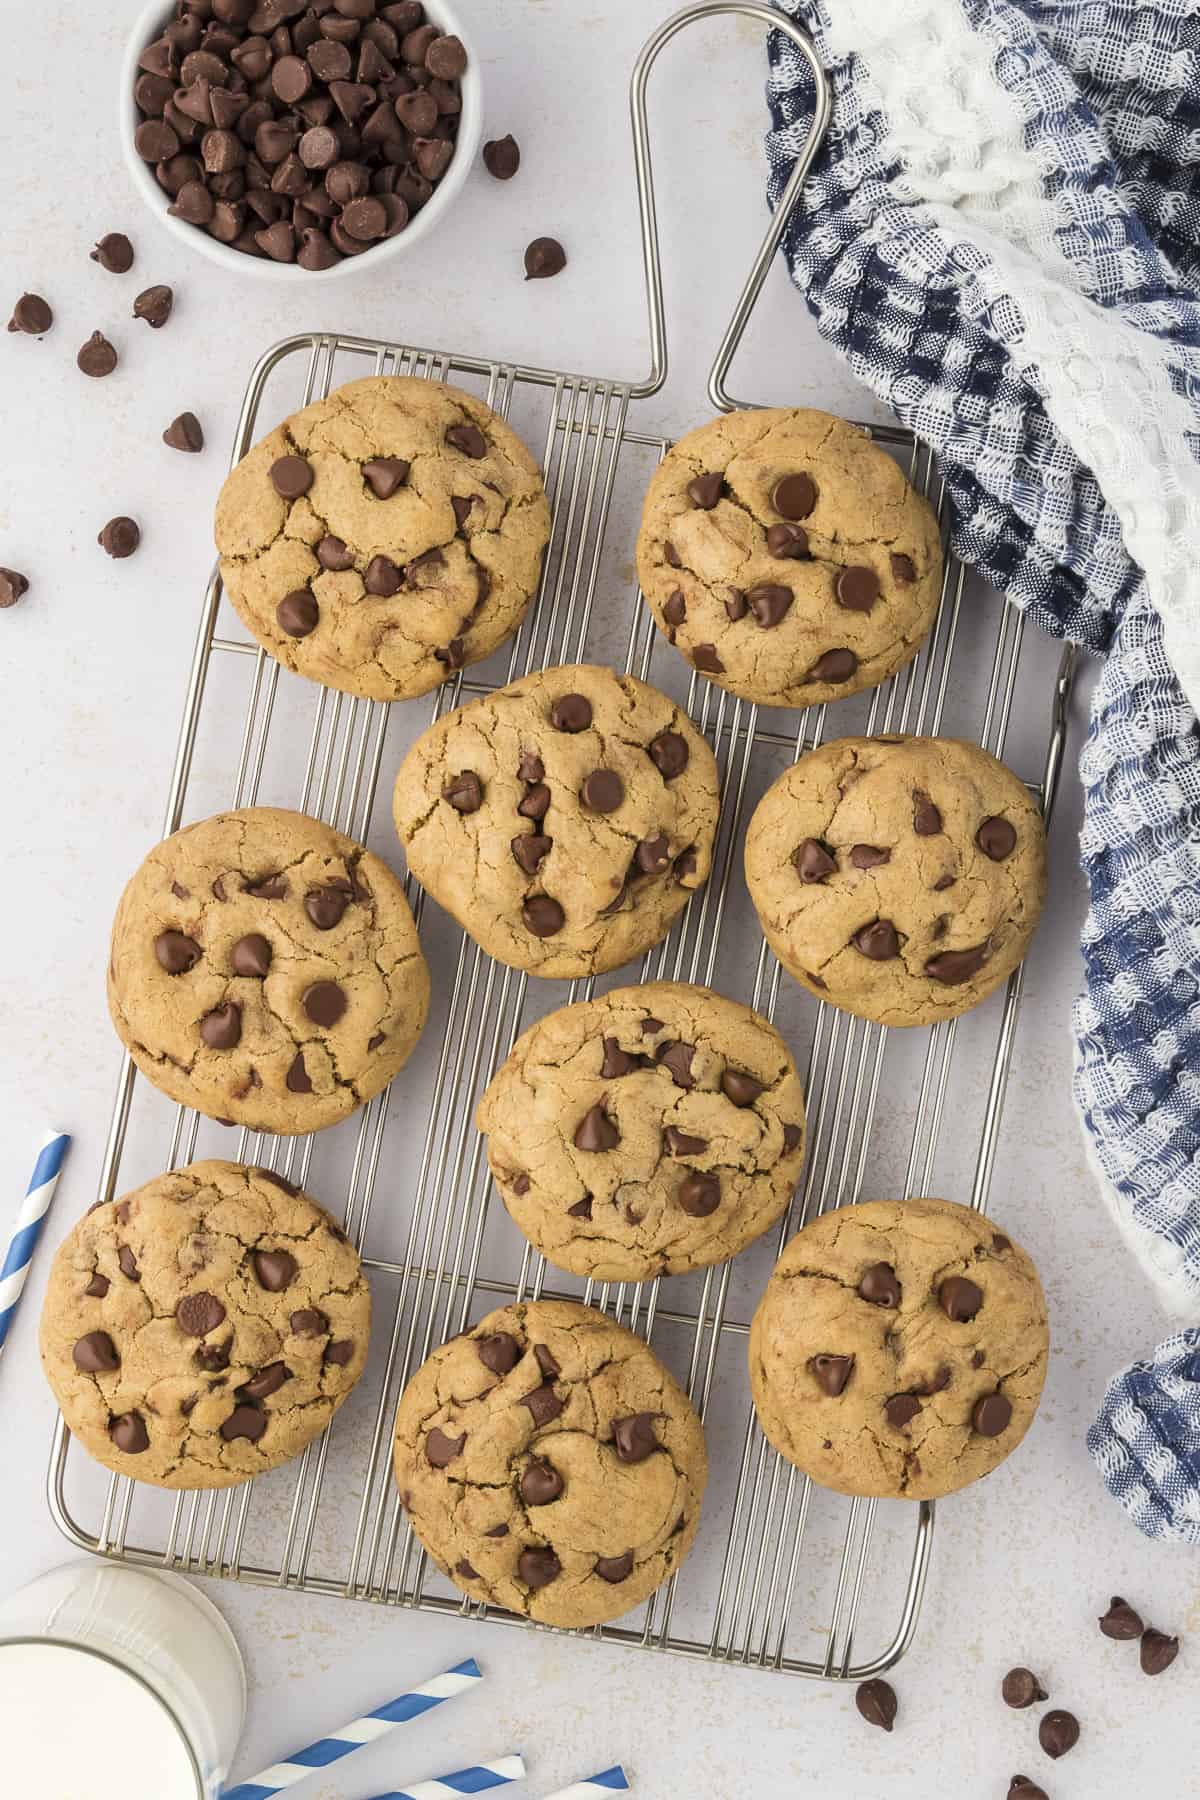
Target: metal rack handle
(748,298)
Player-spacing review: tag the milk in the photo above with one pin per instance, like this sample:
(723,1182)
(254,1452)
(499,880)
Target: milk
(116,1685)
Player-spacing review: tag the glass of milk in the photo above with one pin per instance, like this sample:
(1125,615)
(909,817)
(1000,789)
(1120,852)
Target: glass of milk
(117,1684)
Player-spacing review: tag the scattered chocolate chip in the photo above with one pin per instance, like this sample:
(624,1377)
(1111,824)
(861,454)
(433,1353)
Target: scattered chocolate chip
(1020,1688)
(582,1209)
(12,586)
(198,1314)
(465,1571)
(596,1131)
(699,1194)
(128,1433)
(530,851)
(959,1298)
(544,1404)
(441,1450)
(383,578)
(275,1269)
(787,541)
(538,1568)
(705,490)
(213,1358)
(498,1352)
(602,790)
(879,1285)
(245,1421)
(868,856)
(324,1002)
(127,1263)
(464,792)
(468,439)
(1120,1621)
(635,1437)
(542,915)
(794,496)
(831,1373)
(1058,1732)
(184,433)
(671,554)
(97,357)
(856,588)
(221,1029)
(675,610)
(878,940)
(114,252)
(903,569)
(740,1088)
(834,666)
(535,802)
(705,658)
(617,1062)
(614,1569)
(813,860)
(1021,1788)
(95,1353)
(545,1359)
(31,315)
(496,1531)
(543,258)
(682,1143)
(571,713)
(325,906)
(769,603)
(97,1287)
(291,476)
(265,1382)
(540,1484)
(297,613)
(176,952)
(251,956)
(927,820)
(997,838)
(876,1701)
(900,1410)
(991,1415)
(120,537)
(308,1322)
(297,1080)
(154,305)
(1158,1651)
(502,157)
(951,967)
(676,1057)
(519,1183)
(669,753)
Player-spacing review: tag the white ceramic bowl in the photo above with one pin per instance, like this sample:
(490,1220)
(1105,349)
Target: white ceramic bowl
(150,24)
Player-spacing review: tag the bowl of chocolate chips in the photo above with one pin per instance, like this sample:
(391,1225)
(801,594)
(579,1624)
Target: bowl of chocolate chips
(290,138)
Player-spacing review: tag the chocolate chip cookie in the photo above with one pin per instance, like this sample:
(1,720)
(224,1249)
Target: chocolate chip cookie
(266,970)
(550,1464)
(787,557)
(898,878)
(205,1327)
(900,1349)
(384,537)
(649,1131)
(564,821)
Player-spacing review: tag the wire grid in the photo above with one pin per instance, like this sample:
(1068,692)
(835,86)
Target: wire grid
(442,1273)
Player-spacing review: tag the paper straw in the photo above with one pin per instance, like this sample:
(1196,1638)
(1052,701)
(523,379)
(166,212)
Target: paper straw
(301,1763)
(27,1226)
(467,1781)
(609,1781)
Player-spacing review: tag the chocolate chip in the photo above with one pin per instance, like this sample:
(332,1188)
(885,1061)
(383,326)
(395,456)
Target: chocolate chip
(464,792)
(544,257)
(156,141)
(120,537)
(997,838)
(97,1287)
(446,58)
(12,586)
(769,603)
(951,967)
(529,851)
(676,1056)
(184,433)
(705,490)
(538,1568)
(831,1373)
(879,1285)
(582,1209)
(128,1433)
(1058,1732)
(297,613)
(878,940)
(324,1003)
(308,1322)
(856,589)
(635,1437)
(95,1353)
(901,1410)
(596,1131)
(602,790)
(787,541)
(927,820)
(991,1415)
(127,1263)
(614,1568)
(266,887)
(114,252)
(275,1269)
(699,1194)
(959,1298)
(675,610)
(176,952)
(545,1359)
(154,305)
(1120,1621)
(198,1314)
(739,1087)
(498,1352)
(671,554)
(265,1382)
(221,1029)
(681,1143)
(794,496)
(1021,1788)
(31,315)
(1020,1688)
(97,357)
(325,906)
(617,1062)
(571,713)
(251,956)
(244,1421)
(868,856)
(669,753)
(441,1449)
(213,1358)
(813,860)
(194,204)
(535,802)
(1158,1651)
(876,1701)
(468,439)
(540,1484)
(544,1404)
(543,916)
(496,1531)
(333,554)
(291,476)
(704,657)
(502,157)
(834,666)
(903,569)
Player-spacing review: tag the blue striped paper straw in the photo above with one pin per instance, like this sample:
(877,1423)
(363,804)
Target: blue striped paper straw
(609,1781)
(301,1763)
(27,1226)
(467,1781)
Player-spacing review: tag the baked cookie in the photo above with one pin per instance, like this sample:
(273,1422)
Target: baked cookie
(205,1327)
(564,820)
(550,1465)
(649,1131)
(898,878)
(266,970)
(900,1349)
(384,537)
(787,557)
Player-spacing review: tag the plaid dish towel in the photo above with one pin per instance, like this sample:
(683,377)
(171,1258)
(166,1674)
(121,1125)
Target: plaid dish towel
(1002,237)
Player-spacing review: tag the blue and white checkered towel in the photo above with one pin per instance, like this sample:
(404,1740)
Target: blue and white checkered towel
(1002,236)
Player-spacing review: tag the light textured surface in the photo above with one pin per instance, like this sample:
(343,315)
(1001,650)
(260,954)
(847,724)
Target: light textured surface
(95,661)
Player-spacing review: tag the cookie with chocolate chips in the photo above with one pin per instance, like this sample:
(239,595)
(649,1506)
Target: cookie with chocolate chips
(787,557)
(564,820)
(900,1349)
(550,1464)
(265,969)
(205,1327)
(645,1132)
(898,878)
(384,537)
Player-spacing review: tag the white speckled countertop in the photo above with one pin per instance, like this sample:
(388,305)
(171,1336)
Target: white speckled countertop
(94,661)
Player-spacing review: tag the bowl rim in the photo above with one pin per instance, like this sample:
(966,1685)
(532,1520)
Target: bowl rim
(149,24)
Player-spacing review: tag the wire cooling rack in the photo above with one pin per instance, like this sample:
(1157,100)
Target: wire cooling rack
(779,1578)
